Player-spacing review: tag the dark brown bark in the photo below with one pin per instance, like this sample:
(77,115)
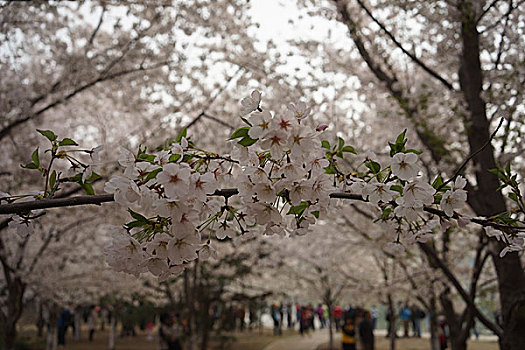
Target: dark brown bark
(15,296)
(484,198)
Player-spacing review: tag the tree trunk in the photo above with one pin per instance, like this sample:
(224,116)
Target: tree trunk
(457,339)
(392,323)
(433,324)
(205,323)
(77,319)
(52,329)
(112,331)
(40,320)
(15,296)
(485,200)
(330,324)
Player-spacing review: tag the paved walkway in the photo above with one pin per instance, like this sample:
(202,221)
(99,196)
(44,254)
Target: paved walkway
(298,342)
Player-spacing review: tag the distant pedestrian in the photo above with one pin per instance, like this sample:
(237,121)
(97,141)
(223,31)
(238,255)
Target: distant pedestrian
(276,317)
(366,331)
(289,315)
(170,334)
(443,333)
(338,314)
(348,334)
(64,321)
(375,315)
(92,322)
(417,315)
(406,316)
(320,315)
(305,322)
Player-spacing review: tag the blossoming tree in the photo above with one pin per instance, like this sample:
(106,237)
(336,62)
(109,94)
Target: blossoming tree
(282,172)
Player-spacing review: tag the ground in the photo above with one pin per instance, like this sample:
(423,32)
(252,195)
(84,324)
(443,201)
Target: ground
(255,341)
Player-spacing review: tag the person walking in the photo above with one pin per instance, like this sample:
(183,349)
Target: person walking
(348,334)
(289,315)
(63,323)
(276,317)
(406,315)
(338,314)
(320,315)
(375,315)
(443,332)
(366,331)
(417,315)
(170,334)
(92,322)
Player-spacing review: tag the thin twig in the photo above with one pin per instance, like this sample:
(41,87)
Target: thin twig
(460,169)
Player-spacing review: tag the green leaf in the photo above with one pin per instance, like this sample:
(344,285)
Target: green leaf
(181,134)
(349,149)
(514,197)
(401,138)
(49,134)
(52,180)
(247,141)
(150,158)
(397,188)
(34,158)
(153,174)
(325,144)
(135,223)
(339,154)
(315,213)
(375,167)
(386,213)
(298,209)
(88,188)
(137,216)
(174,158)
(241,132)
(341,143)
(411,150)
(29,166)
(94,176)
(76,178)
(437,182)
(67,142)
(329,170)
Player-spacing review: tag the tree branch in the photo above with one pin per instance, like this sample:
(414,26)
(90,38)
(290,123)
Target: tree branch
(437,262)
(406,52)
(24,207)
(7,129)
(433,143)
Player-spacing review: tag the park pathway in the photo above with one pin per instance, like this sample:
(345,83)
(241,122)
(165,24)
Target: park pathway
(298,342)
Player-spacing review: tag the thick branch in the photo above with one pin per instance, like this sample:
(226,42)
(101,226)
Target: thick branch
(405,51)
(24,207)
(437,262)
(433,143)
(7,129)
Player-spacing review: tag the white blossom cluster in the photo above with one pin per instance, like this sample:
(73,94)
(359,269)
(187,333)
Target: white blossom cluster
(284,175)
(282,189)
(174,192)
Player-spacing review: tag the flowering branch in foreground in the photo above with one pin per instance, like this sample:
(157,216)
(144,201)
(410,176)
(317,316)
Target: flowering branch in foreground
(285,174)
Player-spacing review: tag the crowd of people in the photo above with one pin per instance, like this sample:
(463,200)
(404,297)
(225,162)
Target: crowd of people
(355,324)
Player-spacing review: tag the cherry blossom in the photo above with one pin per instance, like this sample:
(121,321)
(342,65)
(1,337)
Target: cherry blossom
(404,165)
(175,178)
(299,110)
(377,192)
(250,104)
